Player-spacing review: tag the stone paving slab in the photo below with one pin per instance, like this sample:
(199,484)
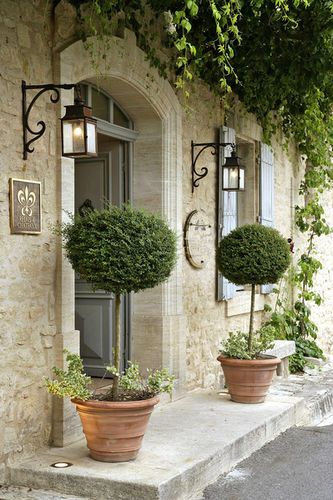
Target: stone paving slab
(188,444)
(17,493)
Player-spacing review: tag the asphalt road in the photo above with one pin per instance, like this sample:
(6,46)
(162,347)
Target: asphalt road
(298,465)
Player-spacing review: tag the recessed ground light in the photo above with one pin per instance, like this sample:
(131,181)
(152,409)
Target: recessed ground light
(61,465)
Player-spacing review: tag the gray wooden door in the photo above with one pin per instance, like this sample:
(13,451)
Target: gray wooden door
(100,180)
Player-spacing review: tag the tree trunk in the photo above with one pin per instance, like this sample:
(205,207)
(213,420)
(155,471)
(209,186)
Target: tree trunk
(117,350)
(253,294)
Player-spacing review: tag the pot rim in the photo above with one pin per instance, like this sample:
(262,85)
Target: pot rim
(95,403)
(269,360)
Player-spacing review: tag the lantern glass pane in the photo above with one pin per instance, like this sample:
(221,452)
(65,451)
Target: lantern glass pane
(78,137)
(233,178)
(225,178)
(241,178)
(73,136)
(91,138)
(67,137)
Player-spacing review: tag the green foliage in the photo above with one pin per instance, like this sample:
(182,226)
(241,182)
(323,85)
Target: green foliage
(204,35)
(236,345)
(132,382)
(289,85)
(290,76)
(72,383)
(304,347)
(120,250)
(160,381)
(294,323)
(289,44)
(253,254)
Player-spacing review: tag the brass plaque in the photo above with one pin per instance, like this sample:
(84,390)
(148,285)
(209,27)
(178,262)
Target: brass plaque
(25,206)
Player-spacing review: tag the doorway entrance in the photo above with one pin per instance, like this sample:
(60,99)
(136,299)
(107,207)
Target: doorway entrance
(99,182)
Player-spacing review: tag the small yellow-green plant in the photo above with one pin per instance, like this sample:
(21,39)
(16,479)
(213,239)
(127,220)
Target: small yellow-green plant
(74,383)
(236,345)
(131,382)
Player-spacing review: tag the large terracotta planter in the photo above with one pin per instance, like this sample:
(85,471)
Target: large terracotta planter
(114,430)
(248,381)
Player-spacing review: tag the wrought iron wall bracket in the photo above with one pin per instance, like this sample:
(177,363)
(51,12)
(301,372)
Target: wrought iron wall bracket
(54,98)
(198,175)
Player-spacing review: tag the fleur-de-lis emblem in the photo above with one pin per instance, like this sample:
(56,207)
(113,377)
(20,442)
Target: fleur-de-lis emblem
(27,200)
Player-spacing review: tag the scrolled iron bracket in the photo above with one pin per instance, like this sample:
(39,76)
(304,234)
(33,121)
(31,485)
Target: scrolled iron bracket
(198,175)
(54,98)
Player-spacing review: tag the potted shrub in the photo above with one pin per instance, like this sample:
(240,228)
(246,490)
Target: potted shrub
(256,255)
(118,250)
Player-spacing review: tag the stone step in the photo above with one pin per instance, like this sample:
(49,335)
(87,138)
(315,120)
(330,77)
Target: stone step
(188,444)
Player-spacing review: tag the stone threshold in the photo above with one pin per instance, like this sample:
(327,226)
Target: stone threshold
(188,444)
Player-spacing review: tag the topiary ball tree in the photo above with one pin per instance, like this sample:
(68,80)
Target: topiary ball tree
(120,250)
(256,255)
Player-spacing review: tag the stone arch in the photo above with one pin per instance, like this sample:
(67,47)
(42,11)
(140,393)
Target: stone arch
(157,319)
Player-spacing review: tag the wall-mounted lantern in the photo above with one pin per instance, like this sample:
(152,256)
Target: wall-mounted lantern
(78,128)
(233,174)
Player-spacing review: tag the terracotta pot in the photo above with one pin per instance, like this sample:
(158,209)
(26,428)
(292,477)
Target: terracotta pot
(114,430)
(248,380)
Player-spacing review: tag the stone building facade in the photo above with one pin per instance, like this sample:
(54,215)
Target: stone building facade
(178,325)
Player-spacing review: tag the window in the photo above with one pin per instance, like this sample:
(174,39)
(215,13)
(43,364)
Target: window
(100,105)
(255,203)
(104,106)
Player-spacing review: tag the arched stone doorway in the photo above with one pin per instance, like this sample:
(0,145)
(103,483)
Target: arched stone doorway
(158,333)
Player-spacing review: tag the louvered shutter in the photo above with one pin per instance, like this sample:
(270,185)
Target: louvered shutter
(266,216)
(227,212)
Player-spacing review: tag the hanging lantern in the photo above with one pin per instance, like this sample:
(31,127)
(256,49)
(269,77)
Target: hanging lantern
(79,130)
(233,174)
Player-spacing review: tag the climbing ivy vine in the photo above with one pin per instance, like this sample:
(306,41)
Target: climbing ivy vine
(276,55)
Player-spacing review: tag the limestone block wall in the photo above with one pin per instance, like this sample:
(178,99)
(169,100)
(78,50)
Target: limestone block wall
(27,262)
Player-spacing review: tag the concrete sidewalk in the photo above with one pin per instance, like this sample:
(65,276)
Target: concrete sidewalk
(188,444)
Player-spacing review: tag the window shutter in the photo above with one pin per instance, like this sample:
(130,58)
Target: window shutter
(266,216)
(227,212)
